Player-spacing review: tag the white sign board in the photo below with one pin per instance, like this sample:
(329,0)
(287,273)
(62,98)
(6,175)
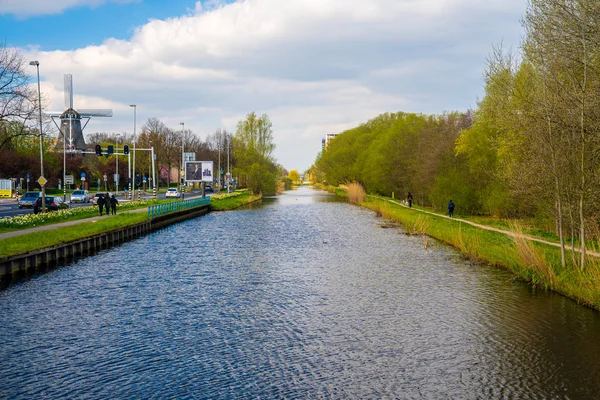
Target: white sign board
(69,179)
(199,171)
(191,156)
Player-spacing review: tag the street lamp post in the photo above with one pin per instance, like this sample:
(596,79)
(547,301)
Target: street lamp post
(182,155)
(220,143)
(134,140)
(153,173)
(117,164)
(228,175)
(37,65)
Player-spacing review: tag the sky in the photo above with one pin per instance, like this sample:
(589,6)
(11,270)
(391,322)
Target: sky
(313,66)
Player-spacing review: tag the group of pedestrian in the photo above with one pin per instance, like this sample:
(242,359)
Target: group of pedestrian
(109,203)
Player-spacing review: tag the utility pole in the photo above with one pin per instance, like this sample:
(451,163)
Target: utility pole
(181,173)
(134,140)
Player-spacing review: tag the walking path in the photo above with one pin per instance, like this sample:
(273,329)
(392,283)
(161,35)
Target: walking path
(51,227)
(491,228)
(59,225)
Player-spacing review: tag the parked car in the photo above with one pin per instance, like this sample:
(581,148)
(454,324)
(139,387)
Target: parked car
(208,187)
(96,196)
(172,192)
(53,203)
(80,196)
(28,199)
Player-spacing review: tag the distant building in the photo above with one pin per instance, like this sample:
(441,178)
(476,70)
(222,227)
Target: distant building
(328,138)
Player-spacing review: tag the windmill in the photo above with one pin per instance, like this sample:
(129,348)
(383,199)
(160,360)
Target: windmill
(70,134)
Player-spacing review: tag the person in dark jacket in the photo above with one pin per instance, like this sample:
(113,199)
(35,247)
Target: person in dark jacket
(113,204)
(100,203)
(410,199)
(107,203)
(451,209)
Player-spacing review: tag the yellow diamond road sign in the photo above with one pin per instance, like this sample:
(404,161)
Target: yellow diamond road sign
(42,181)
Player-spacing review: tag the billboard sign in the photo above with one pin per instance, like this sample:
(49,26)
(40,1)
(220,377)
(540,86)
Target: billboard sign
(199,171)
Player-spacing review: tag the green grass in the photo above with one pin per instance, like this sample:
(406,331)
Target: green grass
(38,240)
(71,214)
(233,200)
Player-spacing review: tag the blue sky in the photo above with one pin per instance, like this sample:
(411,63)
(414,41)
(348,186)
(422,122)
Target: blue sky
(314,66)
(92,24)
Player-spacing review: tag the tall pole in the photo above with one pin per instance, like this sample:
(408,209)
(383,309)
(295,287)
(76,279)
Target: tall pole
(153,173)
(134,140)
(228,175)
(117,164)
(182,154)
(129,171)
(220,143)
(37,64)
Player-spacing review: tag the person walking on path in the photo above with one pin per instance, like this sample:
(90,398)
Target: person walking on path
(410,199)
(113,204)
(100,203)
(451,209)
(107,203)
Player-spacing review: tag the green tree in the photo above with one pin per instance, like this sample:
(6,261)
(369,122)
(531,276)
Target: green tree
(294,176)
(252,148)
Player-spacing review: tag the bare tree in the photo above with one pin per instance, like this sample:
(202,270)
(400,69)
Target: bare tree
(18,98)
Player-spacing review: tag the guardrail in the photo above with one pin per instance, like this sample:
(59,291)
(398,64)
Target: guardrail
(163,209)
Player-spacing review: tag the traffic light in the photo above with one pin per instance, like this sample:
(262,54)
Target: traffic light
(125,149)
(110,150)
(98,150)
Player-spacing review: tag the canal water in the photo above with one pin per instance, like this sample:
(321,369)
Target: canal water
(300,297)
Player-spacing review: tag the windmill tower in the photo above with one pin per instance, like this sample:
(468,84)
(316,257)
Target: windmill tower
(70,136)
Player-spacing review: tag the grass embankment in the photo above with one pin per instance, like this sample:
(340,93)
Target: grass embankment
(536,263)
(70,214)
(43,239)
(233,200)
(37,240)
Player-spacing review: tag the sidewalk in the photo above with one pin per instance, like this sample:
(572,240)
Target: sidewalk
(59,225)
(491,228)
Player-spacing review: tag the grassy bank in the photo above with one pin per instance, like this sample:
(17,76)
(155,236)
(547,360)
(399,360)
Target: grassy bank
(233,200)
(70,214)
(536,263)
(39,240)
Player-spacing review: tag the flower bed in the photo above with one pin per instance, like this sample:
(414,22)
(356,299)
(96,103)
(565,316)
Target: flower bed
(69,214)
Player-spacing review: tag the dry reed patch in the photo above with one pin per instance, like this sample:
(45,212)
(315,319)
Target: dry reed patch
(418,226)
(533,259)
(356,193)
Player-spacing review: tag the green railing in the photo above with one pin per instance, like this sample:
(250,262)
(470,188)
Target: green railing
(163,209)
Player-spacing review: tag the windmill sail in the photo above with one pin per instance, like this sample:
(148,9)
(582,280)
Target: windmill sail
(71,133)
(68,91)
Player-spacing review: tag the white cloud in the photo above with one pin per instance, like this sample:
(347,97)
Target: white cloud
(315,66)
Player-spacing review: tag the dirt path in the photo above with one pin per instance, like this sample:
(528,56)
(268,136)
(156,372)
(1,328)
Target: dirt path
(491,228)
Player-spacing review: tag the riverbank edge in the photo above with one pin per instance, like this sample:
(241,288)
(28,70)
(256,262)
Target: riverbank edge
(14,267)
(229,202)
(530,262)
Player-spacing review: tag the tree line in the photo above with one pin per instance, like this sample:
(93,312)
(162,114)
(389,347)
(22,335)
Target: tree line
(531,149)
(248,152)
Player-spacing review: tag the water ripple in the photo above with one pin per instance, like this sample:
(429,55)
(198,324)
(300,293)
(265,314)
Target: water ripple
(304,297)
